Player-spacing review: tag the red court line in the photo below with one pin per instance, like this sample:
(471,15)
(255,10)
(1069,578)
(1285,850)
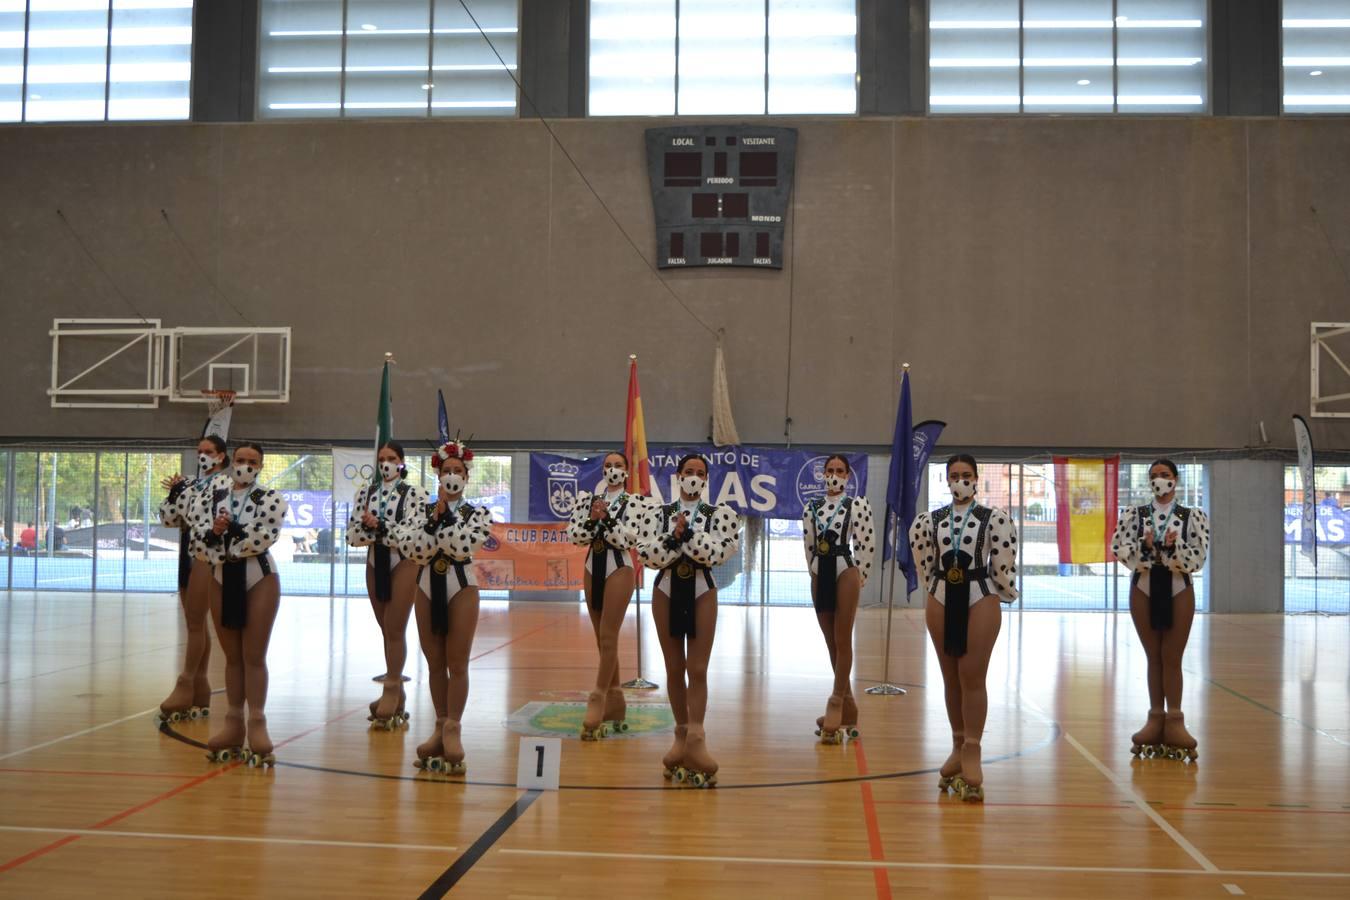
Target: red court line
(199,779)
(97,773)
(519,638)
(1160,808)
(879,874)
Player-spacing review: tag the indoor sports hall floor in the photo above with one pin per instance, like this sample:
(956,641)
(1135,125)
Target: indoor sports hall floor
(97,801)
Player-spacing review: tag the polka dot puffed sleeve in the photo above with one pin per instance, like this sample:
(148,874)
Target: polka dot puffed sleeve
(1003,554)
(656,544)
(1189,555)
(715,546)
(923,549)
(863,533)
(263,526)
(471,529)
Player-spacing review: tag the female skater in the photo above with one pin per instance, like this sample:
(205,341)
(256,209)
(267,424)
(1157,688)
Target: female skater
(967,556)
(1163,544)
(685,540)
(607,523)
(840,547)
(236,523)
(442,538)
(191,695)
(391,579)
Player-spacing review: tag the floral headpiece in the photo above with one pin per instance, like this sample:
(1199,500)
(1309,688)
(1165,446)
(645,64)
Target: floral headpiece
(456,449)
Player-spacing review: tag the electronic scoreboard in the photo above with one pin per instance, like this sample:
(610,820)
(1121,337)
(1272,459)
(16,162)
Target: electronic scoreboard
(720,193)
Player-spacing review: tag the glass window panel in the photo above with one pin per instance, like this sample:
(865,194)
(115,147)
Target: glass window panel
(1325,588)
(1162,49)
(1067,56)
(11,60)
(1316,41)
(8,533)
(632,57)
(27,521)
(974,54)
(300,59)
(151,59)
(67,61)
(813,56)
(467,75)
(388,50)
(111,536)
(721,61)
(67,561)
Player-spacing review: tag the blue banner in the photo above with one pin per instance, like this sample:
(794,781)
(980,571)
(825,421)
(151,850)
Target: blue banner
(1333,524)
(755,481)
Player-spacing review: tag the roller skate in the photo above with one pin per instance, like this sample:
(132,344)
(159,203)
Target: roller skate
(616,711)
(831,726)
(178,706)
(699,768)
(950,772)
(227,743)
(1147,741)
(969,784)
(382,716)
(674,759)
(431,753)
(259,752)
(593,726)
(849,720)
(201,698)
(1177,741)
(454,749)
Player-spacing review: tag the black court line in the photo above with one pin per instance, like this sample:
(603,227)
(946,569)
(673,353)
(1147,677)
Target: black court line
(460,867)
(1052,736)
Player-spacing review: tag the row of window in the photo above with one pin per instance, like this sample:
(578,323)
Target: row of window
(109,60)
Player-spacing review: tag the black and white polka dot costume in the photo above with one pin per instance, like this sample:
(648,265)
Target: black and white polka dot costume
(712,534)
(611,538)
(176,512)
(840,528)
(964,553)
(239,557)
(392,503)
(1165,571)
(444,548)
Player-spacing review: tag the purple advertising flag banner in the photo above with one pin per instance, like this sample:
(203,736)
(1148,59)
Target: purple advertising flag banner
(755,481)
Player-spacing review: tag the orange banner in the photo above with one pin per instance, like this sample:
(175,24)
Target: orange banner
(530,556)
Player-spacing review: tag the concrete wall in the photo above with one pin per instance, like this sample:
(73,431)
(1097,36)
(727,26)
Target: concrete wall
(1055,282)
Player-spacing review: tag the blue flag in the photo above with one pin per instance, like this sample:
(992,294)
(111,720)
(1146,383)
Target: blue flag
(910,449)
(442,420)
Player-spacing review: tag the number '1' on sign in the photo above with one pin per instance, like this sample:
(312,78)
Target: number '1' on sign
(539,765)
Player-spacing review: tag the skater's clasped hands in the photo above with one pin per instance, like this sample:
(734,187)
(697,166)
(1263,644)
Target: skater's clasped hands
(221,523)
(598,509)
(369,520)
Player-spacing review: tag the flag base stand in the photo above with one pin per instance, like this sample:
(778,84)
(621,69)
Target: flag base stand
(386,675)
(886,690)
(640,684)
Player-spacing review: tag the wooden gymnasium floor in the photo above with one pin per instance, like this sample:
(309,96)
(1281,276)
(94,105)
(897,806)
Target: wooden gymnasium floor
(96,801)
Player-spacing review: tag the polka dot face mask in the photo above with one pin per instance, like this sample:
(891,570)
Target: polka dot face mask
(615,474)
(962,489)
(245,473)
(835,483)
(452,482)
(1163,486)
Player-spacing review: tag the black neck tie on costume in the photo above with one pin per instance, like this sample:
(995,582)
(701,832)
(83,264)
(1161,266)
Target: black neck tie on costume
(956,605)
(440,600)
(1159,597)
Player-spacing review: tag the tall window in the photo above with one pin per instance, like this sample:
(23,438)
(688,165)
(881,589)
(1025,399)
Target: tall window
(331,58)
(1316,41)
(95,60)
(723,57)
(1067,56)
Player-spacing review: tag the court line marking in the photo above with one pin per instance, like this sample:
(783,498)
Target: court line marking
(1275,712)
(82,773)
(461,866)
(874,845)
(171,836)
(1234,890)
(81,733)
(867,864)
(1148,810)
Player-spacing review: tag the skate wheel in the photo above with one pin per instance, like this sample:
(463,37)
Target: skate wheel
(419,763)
(193,713)
(817,732)
(853,733)
(621,727)
(435,763)
(206,712)
(698,780)
(667,774)
(458,768)
(944,782)
(680,774)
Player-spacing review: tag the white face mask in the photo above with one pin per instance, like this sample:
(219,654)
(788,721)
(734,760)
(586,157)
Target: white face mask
(453,482)
(389,470)
(206,463)
(835,483)
(615,475)
(1163,486)
(693,485)
(245,473)
(962,489)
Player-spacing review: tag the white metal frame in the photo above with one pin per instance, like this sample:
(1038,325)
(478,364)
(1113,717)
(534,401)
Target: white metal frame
(163,349)
(1320,405)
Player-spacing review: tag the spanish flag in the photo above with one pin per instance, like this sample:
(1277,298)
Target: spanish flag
(635,437)
(1085,503)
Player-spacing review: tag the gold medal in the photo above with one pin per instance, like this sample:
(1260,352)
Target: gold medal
(684,570)
(955,576)
(823,545)
(440,566)
(598,545)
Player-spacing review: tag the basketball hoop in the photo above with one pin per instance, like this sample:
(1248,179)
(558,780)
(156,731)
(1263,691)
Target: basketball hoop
(217,400)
